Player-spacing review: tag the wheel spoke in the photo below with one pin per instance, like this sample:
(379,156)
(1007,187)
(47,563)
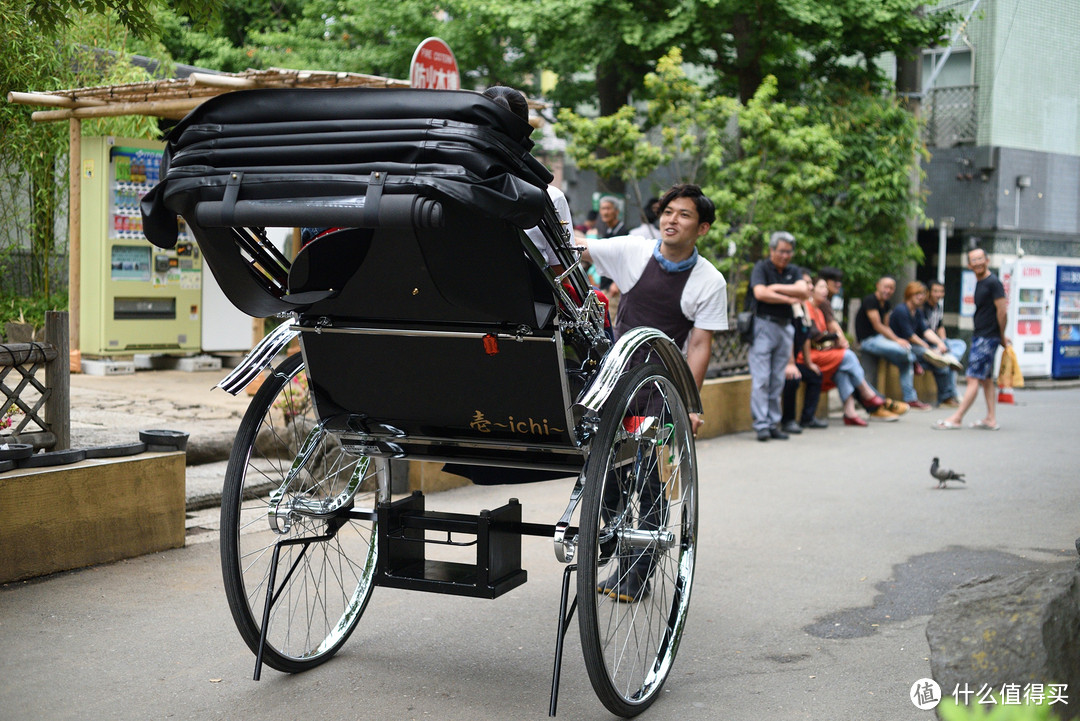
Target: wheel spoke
(318,606)
(638,537)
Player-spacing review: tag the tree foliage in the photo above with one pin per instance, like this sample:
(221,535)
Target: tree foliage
(33,160)
(758,127)
(834,171)
(138,16)
(867,212)
(799,41)
(363,37)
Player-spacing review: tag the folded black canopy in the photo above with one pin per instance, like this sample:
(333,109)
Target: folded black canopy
(311,157)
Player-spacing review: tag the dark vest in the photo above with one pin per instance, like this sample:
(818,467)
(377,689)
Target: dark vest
(655,300)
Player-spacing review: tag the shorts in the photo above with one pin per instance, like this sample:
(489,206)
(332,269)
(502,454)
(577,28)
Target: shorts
(981,358)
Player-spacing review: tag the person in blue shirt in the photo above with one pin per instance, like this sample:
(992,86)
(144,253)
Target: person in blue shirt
(908,322)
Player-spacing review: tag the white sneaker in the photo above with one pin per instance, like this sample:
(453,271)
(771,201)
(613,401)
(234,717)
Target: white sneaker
(935,359)
(953,362)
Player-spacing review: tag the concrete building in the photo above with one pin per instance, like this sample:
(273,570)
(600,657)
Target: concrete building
(1003,132)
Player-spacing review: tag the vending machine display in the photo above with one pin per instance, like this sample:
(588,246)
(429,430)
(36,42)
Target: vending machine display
(135,298)
(1029,286)
(1067,332)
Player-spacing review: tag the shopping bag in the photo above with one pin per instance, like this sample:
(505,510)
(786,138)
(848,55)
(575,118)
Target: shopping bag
(1009,375)
(1017,376)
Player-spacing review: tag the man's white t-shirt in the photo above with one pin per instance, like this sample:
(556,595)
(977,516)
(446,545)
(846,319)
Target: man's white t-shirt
(704,299)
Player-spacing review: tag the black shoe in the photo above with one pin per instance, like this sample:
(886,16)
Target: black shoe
(764,435)
(815,423)
(777,434)
(629,588)
(792,427)
(606,587)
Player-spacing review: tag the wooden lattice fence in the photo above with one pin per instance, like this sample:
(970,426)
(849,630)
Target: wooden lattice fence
(728,354)
(36,411)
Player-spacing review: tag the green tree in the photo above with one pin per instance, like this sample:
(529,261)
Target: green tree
(834,171)
(360,36)
(765,178)
(614,146)
(863,215)
(55,17)
(800,41)
(33,158)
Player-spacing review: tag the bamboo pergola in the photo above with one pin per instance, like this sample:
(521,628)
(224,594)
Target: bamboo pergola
(171,98)
(174,98)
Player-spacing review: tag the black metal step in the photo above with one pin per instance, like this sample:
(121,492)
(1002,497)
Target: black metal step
(458,579)
(403,561)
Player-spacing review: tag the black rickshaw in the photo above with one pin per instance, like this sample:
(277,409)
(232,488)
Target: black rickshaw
(429,328)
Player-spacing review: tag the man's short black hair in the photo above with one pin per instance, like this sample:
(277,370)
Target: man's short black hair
(932,283)
(828,272)
(705,209)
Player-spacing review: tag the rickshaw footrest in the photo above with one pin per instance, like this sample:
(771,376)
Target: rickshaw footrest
(403,561)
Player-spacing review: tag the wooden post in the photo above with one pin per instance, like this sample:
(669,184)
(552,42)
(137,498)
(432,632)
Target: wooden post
(74,235)
(58,379)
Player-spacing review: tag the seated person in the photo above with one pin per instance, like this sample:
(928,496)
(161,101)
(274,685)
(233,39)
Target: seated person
(834,280)
(876,338)
(838,364)
(934,313)
(907,322)
(516,103)
(809,373)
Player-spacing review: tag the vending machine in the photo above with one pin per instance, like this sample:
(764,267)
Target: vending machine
(1030,286)
(135,298)
(1067,333)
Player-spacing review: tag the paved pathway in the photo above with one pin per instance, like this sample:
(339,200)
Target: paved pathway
(820,561)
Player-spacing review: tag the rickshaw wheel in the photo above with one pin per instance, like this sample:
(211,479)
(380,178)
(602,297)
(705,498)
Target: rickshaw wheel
(321,600)
(637,540)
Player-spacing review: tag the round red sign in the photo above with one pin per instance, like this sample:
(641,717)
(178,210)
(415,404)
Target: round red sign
(434,66)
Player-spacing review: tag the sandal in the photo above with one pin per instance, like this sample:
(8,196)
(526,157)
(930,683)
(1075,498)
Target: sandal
(944,425)
(984,426)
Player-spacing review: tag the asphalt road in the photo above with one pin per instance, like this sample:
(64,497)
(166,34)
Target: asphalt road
(820,561)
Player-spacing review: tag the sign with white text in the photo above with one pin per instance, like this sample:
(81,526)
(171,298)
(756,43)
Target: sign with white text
(434,66)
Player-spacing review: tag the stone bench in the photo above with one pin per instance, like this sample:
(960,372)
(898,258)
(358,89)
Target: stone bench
(93,511)
(885,377)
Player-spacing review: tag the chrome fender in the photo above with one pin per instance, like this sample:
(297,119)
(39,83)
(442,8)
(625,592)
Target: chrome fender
(614,364)
(261,356)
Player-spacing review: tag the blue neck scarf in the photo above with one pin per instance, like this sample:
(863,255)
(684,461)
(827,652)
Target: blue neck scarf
(671,267)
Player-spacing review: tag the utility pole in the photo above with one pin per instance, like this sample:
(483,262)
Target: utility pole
(909,87)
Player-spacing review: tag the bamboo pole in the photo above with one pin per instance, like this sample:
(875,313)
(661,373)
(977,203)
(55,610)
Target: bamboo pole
(221,81)
(74,236)
(163,108)
(48,99)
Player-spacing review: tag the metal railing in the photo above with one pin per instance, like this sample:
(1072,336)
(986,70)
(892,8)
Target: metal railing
(951,116)
(38,412)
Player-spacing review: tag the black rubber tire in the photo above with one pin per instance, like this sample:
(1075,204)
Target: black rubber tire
(52,458)
(634,485)
(7,466)
(117,450)
(325,596)
(16,452)
(164,440)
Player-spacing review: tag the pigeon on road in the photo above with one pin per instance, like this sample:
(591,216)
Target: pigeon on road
(943,475)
